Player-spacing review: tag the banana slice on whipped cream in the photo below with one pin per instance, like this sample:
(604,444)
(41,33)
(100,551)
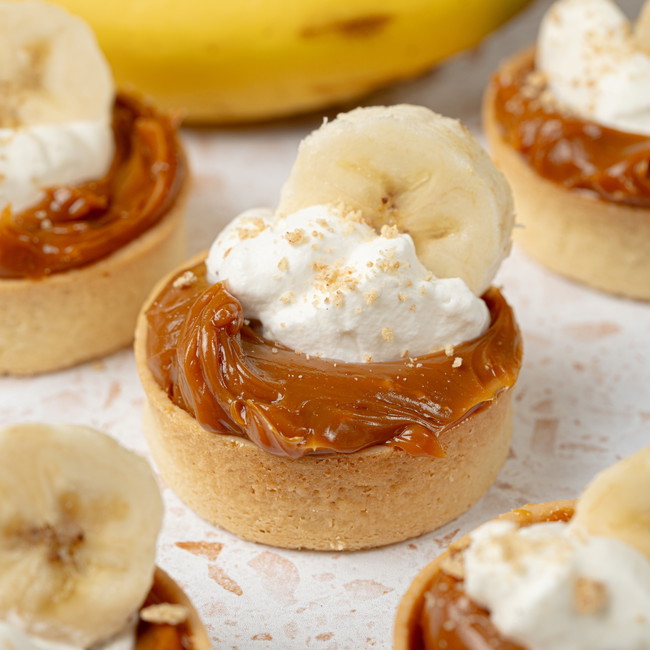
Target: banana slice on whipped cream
(79,521)
(55,105)
(617,503)
(408,167)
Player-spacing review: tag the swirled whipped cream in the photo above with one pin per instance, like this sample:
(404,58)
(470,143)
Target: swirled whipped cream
(551,587)
(33,158)
(595,65)
(325,283)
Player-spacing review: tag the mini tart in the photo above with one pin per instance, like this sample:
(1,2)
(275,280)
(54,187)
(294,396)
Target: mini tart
(190,634)
(83,313)
(407,634)
(344,501)
(600,243)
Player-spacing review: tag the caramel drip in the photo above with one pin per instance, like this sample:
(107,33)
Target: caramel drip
(77,225)
(217,368)
(579,154)
(448,618)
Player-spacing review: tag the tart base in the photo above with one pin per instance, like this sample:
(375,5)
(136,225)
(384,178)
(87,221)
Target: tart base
(410,606)
(602,244)
(366,499)
(82,314)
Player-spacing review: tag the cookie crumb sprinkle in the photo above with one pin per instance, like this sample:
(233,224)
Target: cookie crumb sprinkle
(589,596)
(296,237)
(187,279)
(164,613)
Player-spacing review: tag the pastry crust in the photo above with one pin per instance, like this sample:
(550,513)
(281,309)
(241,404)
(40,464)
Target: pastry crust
(166,590)
(86,313)
(366,499)
(410,606)
(605,245)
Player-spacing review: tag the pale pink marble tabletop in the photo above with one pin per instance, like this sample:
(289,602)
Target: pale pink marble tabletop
(583,401)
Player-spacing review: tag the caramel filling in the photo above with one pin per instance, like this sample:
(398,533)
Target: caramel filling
(75,226)
(578,154)
(448,618)
(215,366)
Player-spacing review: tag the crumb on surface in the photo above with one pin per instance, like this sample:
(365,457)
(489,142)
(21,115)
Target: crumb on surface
(457,363)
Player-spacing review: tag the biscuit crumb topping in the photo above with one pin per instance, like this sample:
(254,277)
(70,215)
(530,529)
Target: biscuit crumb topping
(164,613)
(251,227)
(454,565)
(187,279)
(589,596)
(389,232)
(296,237)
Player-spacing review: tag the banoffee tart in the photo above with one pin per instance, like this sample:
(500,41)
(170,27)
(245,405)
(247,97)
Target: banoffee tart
(81,244)
(563,575)
(303,446)
(569,125)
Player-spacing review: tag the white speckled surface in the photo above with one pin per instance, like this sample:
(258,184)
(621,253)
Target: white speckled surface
(583,401)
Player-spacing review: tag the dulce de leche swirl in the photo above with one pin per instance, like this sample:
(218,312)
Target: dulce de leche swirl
(73,226)
(214,365)
(578,154)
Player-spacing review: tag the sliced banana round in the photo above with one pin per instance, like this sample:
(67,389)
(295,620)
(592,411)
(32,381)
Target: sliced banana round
(51,67)
(617,502)
(409,167)
(79,520)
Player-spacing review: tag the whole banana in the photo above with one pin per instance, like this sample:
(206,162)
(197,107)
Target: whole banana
(254,59)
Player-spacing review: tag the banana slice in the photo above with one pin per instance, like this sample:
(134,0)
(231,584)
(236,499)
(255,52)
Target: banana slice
(617,502)
(409,167)
(79,519)
(51,68)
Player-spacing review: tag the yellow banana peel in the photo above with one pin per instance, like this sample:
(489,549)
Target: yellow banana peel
(246,60)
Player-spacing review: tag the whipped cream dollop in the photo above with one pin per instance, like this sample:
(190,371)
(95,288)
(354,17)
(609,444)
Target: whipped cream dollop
(595,65)
(325,283)
(549,586)
(33,158)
